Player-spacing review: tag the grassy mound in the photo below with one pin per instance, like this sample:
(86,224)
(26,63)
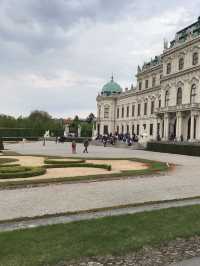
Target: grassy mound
(9,172)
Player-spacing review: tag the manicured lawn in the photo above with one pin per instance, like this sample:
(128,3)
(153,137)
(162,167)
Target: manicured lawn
(112,235)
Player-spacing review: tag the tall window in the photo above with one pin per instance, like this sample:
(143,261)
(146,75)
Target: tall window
(159,102)
(145,108)
(133,129)
(133,110)
(166,98)
(122,129)
(106,111)
(140,85)
(117,112)
(179,96)
(127,111)
(181,63)
(122,112)
(169,68)
(138,130)
(146,84)
(139,109)
(151,130)
(127,129)
(99,112)
(152,107)
(153,81)
(195,58)
(193,94)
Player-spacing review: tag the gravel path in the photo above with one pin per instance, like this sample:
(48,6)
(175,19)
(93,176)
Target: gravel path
(182,182)
(10,226)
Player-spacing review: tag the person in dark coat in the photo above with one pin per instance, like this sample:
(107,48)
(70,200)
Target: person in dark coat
(86,144)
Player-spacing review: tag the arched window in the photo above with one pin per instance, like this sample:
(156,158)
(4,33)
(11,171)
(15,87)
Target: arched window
(181,63)
(106,111)
(193,94)
(168,68)
(166,98)
(195,58)
(179,96)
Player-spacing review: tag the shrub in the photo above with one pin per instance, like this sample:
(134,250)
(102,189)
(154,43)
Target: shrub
(20,172)
(90,165)
(53,161)
(185,149)
(7,160)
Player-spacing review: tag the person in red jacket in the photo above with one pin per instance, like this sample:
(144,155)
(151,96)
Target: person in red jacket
(73,146)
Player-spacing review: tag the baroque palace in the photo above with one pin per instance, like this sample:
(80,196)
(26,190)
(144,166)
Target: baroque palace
(166,101)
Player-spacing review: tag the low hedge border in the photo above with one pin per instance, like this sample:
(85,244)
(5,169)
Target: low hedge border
(21,172)
(175,148)
(7,160)
(91,165)
(9,165)
(63,162)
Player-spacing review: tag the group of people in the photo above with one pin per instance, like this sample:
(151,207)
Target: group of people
(113,138)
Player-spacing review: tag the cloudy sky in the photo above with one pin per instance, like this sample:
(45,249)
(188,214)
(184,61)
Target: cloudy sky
(55,55)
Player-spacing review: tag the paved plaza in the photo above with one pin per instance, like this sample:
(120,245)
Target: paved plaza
(182,182)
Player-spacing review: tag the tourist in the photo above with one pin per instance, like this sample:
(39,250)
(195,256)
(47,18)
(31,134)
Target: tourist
(73,147)
(86,144)
(44,141)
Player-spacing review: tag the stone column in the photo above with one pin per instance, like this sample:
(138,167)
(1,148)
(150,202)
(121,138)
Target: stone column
(192,127)
(198,127)
(166,126)
(179,125)
(155,129)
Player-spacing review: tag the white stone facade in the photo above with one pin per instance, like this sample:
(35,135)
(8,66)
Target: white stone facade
(166,100)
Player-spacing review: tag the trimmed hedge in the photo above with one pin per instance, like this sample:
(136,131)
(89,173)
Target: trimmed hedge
(7,160)
(20,172)
(185,149)
(9,165)
(91,165)
(53,161)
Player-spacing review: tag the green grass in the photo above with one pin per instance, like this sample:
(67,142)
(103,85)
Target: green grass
(111,235)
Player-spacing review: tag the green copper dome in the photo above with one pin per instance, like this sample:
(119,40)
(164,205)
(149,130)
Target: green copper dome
(111,88)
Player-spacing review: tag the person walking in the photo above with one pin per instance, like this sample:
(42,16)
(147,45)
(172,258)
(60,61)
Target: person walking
(73,147)
(86,144)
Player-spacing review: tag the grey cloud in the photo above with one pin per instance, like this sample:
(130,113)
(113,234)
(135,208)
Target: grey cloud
(84,39)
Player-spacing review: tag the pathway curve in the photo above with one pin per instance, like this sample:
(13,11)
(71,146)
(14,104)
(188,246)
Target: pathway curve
(182,182)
